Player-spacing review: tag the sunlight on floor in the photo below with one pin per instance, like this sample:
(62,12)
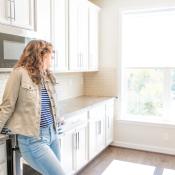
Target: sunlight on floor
(128,168)
(168,172)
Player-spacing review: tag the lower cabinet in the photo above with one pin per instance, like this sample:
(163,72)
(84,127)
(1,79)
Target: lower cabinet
(3,158)
(3,168)
(73,146)
(80,147)
(91,132)
(66,148)
(109,113)
(96,130)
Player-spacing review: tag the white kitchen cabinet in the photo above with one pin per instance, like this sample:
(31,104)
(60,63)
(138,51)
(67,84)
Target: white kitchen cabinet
(71,33)
(3,168)
(109,113)
(22,13)
(3,158)
(96,130)
(93,27)
(60,34)
(4,12)
(73,143)
(80,146)
(17,13)
(86,134)
(78,35)
(43,19)
(66,147)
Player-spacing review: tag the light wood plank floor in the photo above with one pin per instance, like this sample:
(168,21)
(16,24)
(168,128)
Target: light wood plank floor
(98,165)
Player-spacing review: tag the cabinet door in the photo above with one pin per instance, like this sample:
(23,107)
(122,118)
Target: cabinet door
(83,34)
(22,13)
(4,12)
(3,159)
(78,35)
(92,140)
(43,19)
(109,121)
(60,34)
(100,131)
(66,148)
(81,146)
(74,56)
(93,37)
(3,168)
(96,130)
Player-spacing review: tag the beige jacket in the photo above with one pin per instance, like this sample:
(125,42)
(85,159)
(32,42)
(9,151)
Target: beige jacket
(20,109)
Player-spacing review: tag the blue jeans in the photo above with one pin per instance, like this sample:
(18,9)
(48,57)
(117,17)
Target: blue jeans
(42,154)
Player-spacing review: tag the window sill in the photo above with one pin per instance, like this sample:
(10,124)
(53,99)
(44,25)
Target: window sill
(143,122)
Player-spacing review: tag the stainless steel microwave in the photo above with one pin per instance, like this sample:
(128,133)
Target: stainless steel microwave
(11,47)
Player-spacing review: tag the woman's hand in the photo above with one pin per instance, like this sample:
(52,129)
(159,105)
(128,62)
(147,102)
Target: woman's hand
(62,121)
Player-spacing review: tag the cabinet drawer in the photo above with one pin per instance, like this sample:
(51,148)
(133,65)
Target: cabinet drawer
(75,121)
(97,112)
(3,168)
(3,157)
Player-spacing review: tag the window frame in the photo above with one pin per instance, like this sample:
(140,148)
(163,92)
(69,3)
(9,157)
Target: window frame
(166,118)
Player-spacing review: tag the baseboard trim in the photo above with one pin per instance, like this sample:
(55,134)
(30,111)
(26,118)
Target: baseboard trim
(144,147)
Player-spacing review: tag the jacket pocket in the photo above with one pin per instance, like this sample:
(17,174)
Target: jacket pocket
(28,91)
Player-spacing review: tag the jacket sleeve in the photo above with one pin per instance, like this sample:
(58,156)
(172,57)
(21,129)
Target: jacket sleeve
(9,97)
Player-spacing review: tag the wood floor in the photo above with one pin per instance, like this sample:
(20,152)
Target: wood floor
(98,165)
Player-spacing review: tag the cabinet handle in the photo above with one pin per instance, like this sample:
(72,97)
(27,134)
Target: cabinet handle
(78,140)
(13,17)
(108,121)
(81,60)
(56,58)
(78,60)
(60,144)
(98,127)
(8,13)
(14,10)
(75,141)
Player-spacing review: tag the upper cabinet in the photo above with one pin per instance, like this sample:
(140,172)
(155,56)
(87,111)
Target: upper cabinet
(93,12)
(60,34)
(43,19)
(75,35)
(78,35)
(71,25)
(17,13)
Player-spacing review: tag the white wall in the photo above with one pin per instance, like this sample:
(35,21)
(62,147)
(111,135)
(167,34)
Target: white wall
(152,137)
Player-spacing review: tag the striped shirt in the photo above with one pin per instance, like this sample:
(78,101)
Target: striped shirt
(46,114)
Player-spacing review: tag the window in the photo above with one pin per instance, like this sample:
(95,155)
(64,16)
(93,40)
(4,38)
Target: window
(148,65)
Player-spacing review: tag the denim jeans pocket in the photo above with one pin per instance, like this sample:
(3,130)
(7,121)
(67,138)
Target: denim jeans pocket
(27,140)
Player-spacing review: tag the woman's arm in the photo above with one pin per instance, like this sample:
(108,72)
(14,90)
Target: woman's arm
(10,96)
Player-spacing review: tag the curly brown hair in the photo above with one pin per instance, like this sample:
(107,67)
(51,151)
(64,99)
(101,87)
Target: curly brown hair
(32,59)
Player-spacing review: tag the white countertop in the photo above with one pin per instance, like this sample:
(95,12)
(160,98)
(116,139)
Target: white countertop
(69,106)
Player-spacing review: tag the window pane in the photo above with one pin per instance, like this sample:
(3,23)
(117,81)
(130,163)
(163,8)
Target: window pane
(148,38)
(145,92)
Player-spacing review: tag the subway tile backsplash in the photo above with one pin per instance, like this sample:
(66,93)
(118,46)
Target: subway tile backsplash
(101,83)
(70,85)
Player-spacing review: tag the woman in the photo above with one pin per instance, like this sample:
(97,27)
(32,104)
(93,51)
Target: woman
(29,108)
